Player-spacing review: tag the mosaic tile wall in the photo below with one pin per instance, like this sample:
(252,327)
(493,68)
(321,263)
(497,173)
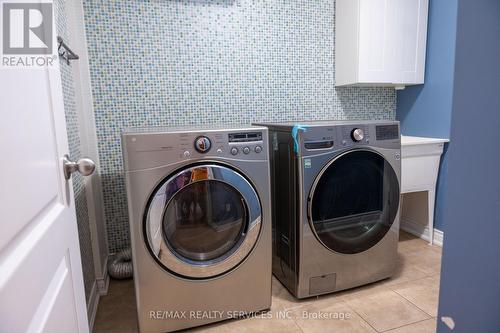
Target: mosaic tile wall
(74,149)
(173,62)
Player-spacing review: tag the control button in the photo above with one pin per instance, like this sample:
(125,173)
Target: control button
(246,150)
(187,153)
(397,156)
(357,134)
(258,149)
(219,151)
(344,142)
(202,144)
(234,151)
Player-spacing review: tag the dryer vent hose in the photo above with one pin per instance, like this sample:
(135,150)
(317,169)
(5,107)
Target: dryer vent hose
(120,265)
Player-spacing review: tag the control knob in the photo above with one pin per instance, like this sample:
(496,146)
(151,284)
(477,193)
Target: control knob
(357,134)
(202,144)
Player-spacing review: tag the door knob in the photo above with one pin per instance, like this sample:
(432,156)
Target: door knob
(85,166)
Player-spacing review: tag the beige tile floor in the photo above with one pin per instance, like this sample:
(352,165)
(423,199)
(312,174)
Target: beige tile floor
(406,303)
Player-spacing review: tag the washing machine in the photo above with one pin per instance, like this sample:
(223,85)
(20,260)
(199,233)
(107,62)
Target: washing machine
(335,189)
(200,223)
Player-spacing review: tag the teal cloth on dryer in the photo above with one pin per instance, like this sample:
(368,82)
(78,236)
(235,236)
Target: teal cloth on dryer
(295,133)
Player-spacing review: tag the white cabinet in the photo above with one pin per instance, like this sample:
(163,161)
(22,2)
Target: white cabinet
(380,42)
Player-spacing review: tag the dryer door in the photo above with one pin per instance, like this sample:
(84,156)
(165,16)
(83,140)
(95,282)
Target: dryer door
(202,221)
(354,201)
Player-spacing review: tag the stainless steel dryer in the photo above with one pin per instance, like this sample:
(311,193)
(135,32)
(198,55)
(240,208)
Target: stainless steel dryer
(200,223)
(335,193)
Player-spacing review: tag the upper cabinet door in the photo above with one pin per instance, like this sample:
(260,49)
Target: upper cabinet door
(411,39)
(375,42)
(380,42)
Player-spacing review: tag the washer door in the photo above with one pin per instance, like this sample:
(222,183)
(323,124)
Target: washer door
(354,201)
(203,221)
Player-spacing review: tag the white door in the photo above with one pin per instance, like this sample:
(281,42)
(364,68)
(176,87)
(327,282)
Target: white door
(41,282)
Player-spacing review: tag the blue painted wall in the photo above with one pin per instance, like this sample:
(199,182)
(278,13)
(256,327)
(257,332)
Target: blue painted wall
(470,279)
(425,110)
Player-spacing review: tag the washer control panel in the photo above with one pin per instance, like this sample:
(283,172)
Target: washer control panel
(158,147)
(245,143)
(242,145)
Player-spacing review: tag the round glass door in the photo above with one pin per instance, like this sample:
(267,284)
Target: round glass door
(354,202)
(202,221)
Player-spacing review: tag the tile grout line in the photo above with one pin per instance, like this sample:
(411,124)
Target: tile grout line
(407,300)
(409,281)
(430,315)
(360,316)
(395,328)
(404,298)
(297,325)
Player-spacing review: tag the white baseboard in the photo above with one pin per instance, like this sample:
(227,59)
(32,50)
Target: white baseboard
(99,288)
(421,231)
(93,304)
(103,282)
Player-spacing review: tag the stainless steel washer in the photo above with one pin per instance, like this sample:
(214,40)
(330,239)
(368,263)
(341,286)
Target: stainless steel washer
(336,189)
(200,223)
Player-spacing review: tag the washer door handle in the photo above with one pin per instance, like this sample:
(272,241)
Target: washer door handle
(85,166)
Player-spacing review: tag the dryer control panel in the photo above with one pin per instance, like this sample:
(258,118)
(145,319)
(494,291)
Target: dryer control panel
(319,139)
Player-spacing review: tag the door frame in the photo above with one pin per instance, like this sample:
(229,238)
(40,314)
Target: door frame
(84,104)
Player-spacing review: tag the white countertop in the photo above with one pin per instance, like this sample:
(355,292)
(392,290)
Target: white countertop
(417,140)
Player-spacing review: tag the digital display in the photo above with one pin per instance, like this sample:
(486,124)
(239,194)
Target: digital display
(245,137)
(387,132)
